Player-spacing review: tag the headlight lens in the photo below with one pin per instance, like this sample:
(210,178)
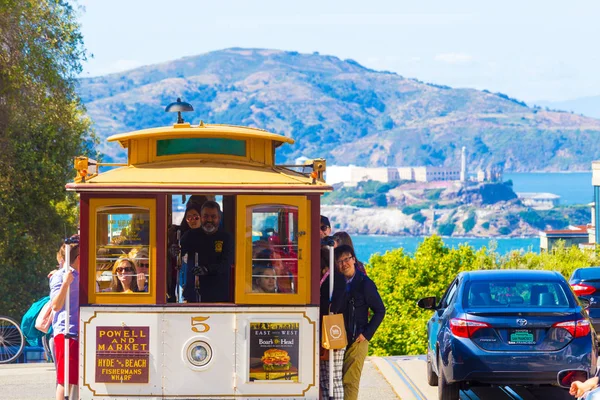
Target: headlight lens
(199,353)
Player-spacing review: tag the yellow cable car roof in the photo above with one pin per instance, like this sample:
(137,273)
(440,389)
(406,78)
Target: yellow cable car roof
(202,175)
(208,130)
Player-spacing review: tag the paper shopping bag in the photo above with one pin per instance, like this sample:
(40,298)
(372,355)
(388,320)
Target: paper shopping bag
(333,335)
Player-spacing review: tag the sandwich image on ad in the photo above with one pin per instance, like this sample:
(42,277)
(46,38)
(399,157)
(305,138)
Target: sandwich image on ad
(276,360)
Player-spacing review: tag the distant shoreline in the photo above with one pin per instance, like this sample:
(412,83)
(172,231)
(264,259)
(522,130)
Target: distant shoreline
(549,172)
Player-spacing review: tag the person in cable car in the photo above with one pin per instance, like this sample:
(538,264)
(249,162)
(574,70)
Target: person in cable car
(124,277)
(325,227)
(209,253)
(264,279)
(139,256)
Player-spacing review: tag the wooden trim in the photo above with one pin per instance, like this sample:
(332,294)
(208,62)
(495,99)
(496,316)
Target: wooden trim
(315,239)
(149,297)
(84,247)
(245,189)
(243,252)
(160,262)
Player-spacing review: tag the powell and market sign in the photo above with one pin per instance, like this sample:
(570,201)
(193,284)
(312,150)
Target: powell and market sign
(122,354)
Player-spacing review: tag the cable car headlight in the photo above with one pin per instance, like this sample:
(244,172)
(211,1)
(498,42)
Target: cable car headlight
(199,353)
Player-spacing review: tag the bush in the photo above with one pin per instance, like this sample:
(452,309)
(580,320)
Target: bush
(446,229)
(409,210)
(469,223)
(360,203)
(434,194)
(403,279)
(420,218)
(505,230)
(533,218)
(380,200)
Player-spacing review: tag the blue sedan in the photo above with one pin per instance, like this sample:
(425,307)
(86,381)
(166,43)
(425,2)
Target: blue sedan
(506,327)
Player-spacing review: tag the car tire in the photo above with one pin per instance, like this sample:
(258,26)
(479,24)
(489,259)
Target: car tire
(432,378)
(446,391)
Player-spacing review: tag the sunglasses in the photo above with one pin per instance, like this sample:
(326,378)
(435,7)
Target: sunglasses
(194,217)
(324,227)
(124,269)
(144,265)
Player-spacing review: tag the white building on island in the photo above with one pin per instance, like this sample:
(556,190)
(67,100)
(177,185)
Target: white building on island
(540,201)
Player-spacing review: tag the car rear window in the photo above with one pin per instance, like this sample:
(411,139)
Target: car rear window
(529,294)
(588,273)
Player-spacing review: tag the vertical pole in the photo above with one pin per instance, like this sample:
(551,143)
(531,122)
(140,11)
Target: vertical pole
(331,273)
(67,319)
(178,279)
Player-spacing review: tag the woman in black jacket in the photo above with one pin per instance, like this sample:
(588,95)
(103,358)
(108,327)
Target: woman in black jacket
(361,296)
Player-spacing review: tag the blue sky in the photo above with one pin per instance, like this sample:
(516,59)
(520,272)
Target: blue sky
(528,49)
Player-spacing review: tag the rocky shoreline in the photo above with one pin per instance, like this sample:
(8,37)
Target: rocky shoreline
(389,221)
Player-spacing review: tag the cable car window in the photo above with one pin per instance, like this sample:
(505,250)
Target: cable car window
(122,249)
(170,147)
(274,249)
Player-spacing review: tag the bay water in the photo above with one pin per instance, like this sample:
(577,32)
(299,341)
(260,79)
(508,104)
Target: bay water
(572,187)
(366,245)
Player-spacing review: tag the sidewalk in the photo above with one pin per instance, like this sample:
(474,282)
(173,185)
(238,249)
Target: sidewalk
(35,381)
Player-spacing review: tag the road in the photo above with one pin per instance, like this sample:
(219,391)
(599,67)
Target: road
(36,382)
(384,378)
(407,375)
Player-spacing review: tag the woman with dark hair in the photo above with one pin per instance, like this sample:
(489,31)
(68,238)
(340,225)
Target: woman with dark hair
(284,275)
(362,296)
(191,221)
(342,238)
(263,279)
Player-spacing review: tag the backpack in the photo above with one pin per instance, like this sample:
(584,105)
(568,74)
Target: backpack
(33,336)
(43,322)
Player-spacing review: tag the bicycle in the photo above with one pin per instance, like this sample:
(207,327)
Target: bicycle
(12,341)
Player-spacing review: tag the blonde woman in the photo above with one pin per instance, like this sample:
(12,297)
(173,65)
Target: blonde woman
(124,277)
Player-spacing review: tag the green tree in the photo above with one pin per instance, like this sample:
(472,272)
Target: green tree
(42,127)
(469,223)
(403,279)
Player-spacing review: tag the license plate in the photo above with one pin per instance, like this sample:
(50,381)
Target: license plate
(521,336)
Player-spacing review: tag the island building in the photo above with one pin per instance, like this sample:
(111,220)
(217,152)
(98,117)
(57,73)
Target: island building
(584,236)
(490,174)
(539,201)
(351,175)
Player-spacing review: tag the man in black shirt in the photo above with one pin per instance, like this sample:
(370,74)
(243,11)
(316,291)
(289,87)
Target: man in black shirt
(208,279)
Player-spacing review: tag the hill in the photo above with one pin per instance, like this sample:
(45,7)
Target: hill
(589,106)
(343,111)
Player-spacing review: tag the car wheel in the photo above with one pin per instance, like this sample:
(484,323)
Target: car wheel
(446,391)
(432,378)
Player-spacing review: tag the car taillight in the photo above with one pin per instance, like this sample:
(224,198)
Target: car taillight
(465,328)
(575,328)
(581,289)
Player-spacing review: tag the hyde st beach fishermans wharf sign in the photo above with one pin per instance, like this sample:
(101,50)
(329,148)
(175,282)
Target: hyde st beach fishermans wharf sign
(122,354)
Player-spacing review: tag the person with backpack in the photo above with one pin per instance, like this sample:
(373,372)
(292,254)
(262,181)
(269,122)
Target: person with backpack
(63,281)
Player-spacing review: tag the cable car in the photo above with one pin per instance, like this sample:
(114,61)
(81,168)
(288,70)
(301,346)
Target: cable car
(147,341)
